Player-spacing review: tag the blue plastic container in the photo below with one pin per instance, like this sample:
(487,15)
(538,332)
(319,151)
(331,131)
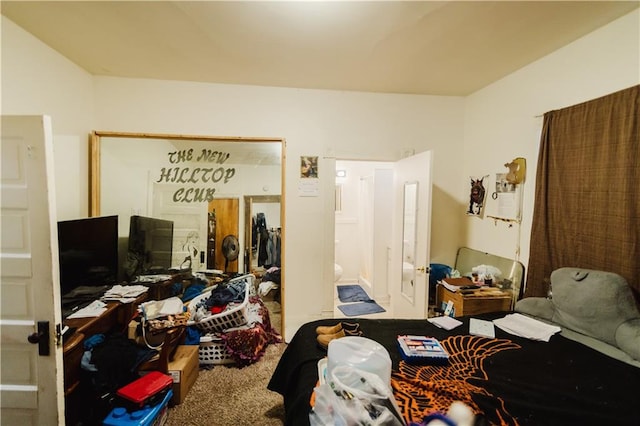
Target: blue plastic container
(148,416)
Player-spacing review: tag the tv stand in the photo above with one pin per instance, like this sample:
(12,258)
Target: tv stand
(116,317)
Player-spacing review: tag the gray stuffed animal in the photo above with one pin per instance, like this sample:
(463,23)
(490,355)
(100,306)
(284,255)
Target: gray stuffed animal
(595,303)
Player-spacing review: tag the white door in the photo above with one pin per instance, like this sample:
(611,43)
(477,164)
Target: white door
(31,390)
(409,272)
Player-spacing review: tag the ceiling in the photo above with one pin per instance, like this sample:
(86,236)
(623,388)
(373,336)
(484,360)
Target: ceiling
(417,47)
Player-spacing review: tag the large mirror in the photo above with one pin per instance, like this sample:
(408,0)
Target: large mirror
(198,183)
(409,228)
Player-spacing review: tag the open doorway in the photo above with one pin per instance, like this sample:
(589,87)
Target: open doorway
(371,216)
(363,229)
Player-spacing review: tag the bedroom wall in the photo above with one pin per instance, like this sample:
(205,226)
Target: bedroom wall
(37,80)
(497,124)
(327,124)
(504,120)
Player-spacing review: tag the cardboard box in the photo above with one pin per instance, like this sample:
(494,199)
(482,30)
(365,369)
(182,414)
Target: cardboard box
(184,370)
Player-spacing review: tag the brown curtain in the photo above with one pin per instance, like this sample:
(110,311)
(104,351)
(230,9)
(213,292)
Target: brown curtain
(587,196)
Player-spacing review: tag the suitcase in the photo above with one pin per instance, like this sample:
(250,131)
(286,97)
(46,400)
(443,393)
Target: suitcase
(148,390)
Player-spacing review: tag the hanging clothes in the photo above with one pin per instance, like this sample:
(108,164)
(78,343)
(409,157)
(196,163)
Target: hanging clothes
(277,261)
(263,254)
(258,224)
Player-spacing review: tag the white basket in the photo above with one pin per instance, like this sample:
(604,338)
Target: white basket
(213,350)
(230,318)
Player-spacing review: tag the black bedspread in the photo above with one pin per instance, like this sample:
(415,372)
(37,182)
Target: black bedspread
(509,380)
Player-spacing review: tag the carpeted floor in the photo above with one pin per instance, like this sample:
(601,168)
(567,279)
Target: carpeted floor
(226,395)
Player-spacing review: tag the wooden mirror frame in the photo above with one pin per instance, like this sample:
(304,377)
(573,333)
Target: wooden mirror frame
(94,176)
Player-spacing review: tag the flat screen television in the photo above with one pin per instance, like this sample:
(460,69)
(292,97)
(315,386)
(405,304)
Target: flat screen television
(150,246)
(88,252)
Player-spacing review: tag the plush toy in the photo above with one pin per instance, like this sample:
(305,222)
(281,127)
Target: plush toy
(598,304)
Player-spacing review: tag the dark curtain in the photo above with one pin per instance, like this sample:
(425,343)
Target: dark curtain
(587,202)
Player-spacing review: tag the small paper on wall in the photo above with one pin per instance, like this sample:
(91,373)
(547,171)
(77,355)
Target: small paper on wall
(508,197)
(308,187)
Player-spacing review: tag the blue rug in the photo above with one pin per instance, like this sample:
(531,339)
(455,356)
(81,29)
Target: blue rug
(361,308)
(352,293)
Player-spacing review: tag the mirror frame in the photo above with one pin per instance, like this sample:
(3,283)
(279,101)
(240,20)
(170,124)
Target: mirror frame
(95,140)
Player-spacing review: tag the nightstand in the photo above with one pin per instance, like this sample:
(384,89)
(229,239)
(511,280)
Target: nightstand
(475,302)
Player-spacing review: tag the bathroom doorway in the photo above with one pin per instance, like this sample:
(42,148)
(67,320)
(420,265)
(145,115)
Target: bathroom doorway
(370,217)
(363,217)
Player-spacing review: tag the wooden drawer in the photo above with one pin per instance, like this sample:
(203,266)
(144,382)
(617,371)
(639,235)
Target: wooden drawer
(471,304)
(73,351)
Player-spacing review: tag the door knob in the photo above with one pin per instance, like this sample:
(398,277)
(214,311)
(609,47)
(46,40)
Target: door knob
(35,337)
(424,269)
(41,337)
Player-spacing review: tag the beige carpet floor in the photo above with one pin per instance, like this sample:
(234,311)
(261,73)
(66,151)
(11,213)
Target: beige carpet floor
(226,395)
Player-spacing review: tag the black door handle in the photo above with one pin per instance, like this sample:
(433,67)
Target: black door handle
(41,337)
(34,337)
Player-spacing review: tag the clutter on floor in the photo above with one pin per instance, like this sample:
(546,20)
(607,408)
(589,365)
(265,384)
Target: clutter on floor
(233,327)
(169,340)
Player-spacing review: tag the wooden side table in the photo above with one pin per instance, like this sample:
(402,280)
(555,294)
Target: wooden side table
(475,302)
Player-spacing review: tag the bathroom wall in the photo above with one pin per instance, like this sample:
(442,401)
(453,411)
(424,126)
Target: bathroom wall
(352,246)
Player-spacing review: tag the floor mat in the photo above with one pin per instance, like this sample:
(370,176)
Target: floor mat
(352,293)
(361,308)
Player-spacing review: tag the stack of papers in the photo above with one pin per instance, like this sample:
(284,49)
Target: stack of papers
(455,284)
(446,322)
(478,327)
(94,309)
(523,326)
(124,293)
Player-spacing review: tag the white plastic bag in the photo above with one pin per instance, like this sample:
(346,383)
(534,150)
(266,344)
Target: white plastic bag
(352,396)
(362,353)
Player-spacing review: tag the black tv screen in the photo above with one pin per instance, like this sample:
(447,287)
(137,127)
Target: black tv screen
(150,246)
(88,252)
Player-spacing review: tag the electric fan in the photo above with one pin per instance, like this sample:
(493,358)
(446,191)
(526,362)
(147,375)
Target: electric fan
(230,249)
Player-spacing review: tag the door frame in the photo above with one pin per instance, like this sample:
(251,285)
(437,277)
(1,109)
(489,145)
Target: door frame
(394,251)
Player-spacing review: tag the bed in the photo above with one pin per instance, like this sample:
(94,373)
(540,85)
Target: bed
(587,374)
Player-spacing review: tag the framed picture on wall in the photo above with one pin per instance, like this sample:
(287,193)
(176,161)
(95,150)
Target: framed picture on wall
(308,167)
(477,195)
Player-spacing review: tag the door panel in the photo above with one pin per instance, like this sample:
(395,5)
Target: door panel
(412,300)
(32,385)
(227,212)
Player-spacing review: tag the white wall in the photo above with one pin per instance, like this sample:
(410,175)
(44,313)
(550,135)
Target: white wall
(36,80)
(326,124)
(503,121)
